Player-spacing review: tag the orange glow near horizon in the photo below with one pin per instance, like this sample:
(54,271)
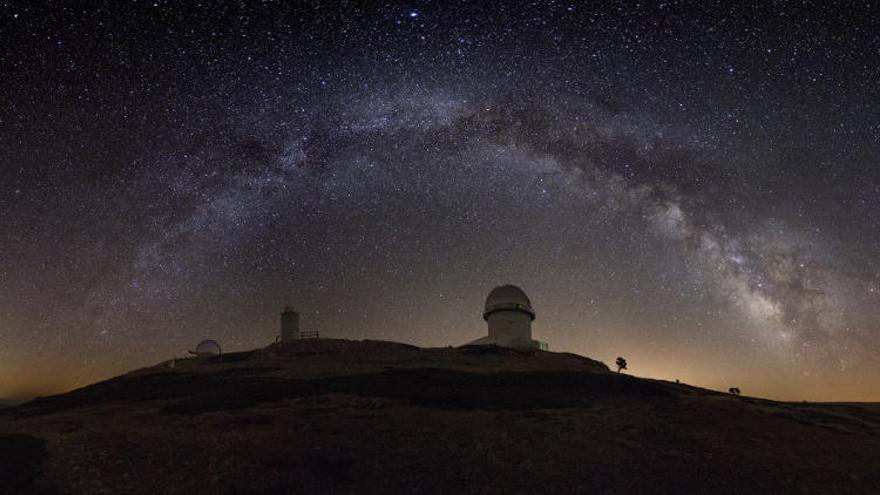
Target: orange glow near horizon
(44,378)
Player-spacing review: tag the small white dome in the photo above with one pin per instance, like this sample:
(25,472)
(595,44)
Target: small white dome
(208,348)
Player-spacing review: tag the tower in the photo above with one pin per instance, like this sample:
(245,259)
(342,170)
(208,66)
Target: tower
(289,325)
(508,313)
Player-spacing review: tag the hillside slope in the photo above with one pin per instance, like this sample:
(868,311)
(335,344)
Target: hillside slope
(334,416)
(9,403)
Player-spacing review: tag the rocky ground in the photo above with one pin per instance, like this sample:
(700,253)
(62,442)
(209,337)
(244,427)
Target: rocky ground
(335,416)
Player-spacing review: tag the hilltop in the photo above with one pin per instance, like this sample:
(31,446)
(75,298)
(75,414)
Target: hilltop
(9,403)
(337,416)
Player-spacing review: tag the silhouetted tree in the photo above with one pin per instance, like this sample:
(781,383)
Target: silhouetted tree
(733,391)
(621,364)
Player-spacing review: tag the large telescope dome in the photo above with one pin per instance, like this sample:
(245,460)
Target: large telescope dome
(508,297)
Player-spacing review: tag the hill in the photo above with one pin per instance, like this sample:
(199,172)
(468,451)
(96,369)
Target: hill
(335,416)
(9,403)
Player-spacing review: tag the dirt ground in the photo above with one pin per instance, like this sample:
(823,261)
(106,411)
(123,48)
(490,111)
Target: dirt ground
(334,416)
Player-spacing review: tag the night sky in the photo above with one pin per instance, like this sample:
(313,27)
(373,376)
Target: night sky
(693,186)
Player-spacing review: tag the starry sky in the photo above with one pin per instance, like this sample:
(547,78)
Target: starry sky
(691,185)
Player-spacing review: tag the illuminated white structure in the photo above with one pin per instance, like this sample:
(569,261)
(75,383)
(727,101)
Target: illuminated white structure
(289,325)
(207,348)
(509,315)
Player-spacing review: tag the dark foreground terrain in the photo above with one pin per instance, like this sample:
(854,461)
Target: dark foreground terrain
(8,403)
(333,416)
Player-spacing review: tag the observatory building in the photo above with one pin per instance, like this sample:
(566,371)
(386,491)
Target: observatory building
(509,315)
(289,325)
(290,330)
(207,348)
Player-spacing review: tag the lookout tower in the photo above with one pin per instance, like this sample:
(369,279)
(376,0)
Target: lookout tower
(509,315)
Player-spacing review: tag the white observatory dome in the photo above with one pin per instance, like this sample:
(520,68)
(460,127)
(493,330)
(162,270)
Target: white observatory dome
(208,348)
(508,297)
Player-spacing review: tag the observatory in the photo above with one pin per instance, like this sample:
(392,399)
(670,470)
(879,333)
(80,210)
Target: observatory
(207,348)
(290,330)
(509,314)
(289,325)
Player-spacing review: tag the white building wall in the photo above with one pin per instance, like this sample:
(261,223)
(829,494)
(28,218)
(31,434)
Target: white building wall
(289,326)
(507,327)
